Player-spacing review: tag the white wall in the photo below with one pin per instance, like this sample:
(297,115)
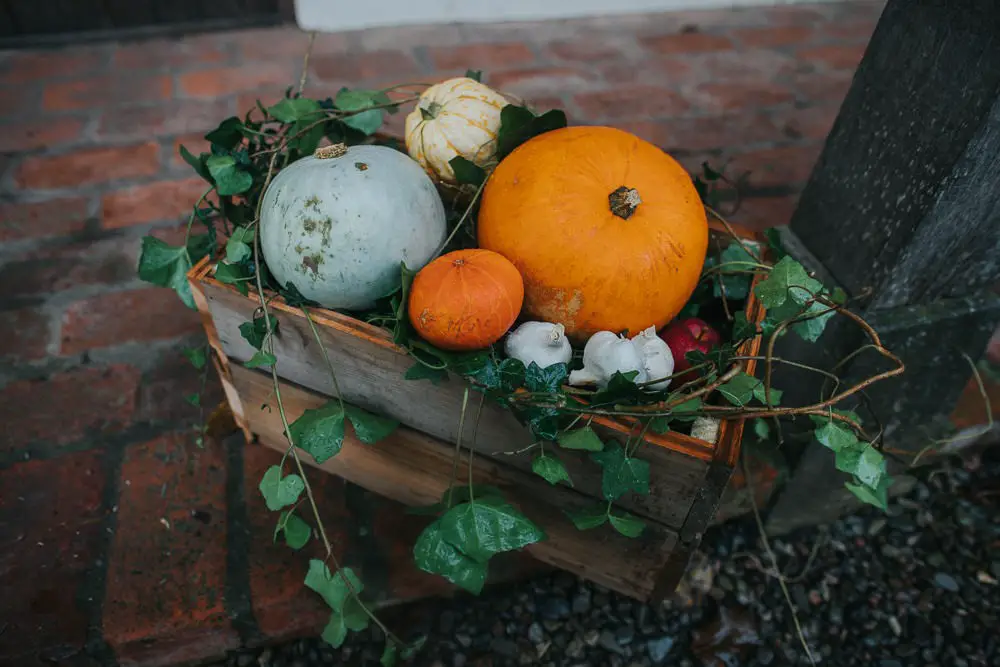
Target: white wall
(334,15)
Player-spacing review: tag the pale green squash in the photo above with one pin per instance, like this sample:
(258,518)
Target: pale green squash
(337,224)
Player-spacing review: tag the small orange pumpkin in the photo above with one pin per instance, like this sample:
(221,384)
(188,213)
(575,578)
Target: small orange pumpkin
(465,300)
(606,229)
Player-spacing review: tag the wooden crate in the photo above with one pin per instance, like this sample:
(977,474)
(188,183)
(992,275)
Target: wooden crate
(414,465)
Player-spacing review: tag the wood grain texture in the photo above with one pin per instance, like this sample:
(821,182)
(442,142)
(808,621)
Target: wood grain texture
(370,373)
(414,469)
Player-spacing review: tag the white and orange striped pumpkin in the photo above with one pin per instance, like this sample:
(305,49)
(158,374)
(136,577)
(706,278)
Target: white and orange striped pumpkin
(455,117)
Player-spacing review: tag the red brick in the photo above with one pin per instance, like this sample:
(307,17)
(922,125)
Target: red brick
(68,407)
(166,573)
(789,35)
(161,396)
(16,101)
(810,122)
(546,81)
(222,81)
(51,532)
(850,30)
(372,67)
(167,54)
(133,316)
(163,120)
(707,133)
(687,42)
(282,606)
(836,57)
(268,97)
(49,218)
(759,213)
(142,204)
(790,165)
(16,137)
(32,66)
(585,50)
(56,268)
(105,91)
(659,71)
(27,330)
(481,56)
(288,42)
(630,102)
(738,96)
(90,166)
(742,66)
(194,142)
(824,87)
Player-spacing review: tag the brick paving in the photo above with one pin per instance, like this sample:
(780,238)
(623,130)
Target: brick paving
(119,538)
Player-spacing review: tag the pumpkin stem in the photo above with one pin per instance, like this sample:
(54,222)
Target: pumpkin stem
(624,201)
(431,111)
(327,152)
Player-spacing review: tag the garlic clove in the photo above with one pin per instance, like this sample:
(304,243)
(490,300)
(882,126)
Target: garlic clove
(657,359)
(541,343)
(605,354)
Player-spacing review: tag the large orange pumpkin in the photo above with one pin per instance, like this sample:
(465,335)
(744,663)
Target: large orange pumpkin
(465,300)
(606,229)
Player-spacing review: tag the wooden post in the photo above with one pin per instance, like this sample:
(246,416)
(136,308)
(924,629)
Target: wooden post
(904,206)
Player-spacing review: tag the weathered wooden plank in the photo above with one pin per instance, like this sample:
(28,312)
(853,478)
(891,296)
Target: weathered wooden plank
(370,373)
(414,469)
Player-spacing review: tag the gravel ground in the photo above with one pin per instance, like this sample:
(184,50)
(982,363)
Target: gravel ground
(916,586)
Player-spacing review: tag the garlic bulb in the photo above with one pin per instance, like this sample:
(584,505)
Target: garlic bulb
(605,354)
(540,342)
(705,428)
(656,357)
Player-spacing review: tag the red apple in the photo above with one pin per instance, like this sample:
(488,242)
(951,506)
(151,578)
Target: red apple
(687,335)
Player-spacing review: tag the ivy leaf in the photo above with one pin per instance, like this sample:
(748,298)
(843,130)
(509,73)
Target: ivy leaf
(836,436)
(518,124)
(233,274)
(486,526)
(511,375)
(810,330)
(197,163)
(402,331)
(196,355)
(838,296)
(228,134)
(200,245)
(367,119)
(419,371)
(294,298)
(320,431)
(261,358)
(737,285)
(550,469)
(467,171)
(238,246)
(787,286)
(296,531)
(659,425)
(255,330)
(761,429)
(621,473)
(369,428)
(688,410)
(820,420)
(548,379)
(389,654)
(543,422)
(862,461)
(584,439)
(339,591)
(759,394)
(740,389)
(229,178)
(193,399)
(588,519)
(458,495)
(774,243)
(742,328)
(481,371)
(166,266)
(280,491)
(621,389)
(290,110)
(627,524)
(432,553)
(474,74)
(877,496)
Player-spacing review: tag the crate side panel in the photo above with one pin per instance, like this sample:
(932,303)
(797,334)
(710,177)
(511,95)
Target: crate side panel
(415,469)
(371,376)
